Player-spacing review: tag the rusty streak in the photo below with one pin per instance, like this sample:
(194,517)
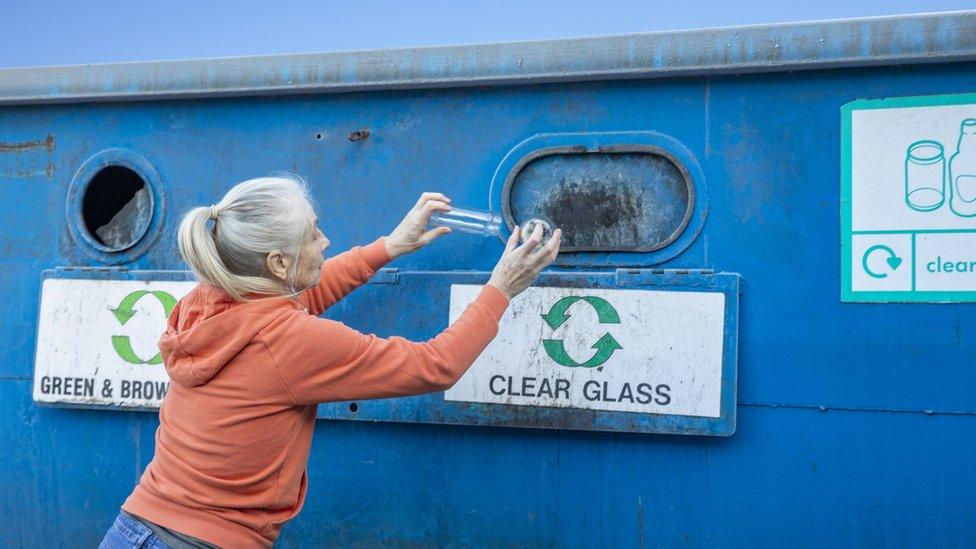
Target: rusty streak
(47,143)
(46,172)
(358,135)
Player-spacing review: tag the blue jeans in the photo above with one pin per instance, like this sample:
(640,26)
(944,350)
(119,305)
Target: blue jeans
(126,533)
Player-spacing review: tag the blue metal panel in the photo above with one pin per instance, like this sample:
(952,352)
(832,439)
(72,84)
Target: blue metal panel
(855,422)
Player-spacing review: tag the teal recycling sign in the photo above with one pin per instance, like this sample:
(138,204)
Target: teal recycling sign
(908,199)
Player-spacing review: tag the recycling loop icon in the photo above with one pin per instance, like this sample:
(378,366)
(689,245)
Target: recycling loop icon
(604,347)
(122,344)
(892,260)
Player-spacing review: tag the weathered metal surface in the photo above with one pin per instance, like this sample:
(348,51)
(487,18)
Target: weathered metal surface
(27,158)
(636,200)
(855,423)
(874,41)
(359,135)
(613,193)
(13,147)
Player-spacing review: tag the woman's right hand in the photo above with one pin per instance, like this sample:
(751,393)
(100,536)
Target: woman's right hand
(519,266)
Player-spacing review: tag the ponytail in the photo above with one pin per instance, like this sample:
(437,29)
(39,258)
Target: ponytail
(254,218)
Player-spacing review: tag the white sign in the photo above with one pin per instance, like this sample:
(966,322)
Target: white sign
(97,341)
(909,199)
(618,350)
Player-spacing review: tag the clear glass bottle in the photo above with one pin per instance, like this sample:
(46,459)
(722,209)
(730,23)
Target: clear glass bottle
(486,223)
(962,171)
(468,220)
(529,225)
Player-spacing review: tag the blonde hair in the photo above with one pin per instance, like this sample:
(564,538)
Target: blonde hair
(253,219)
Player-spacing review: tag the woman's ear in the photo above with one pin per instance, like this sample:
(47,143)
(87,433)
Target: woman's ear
(278,264)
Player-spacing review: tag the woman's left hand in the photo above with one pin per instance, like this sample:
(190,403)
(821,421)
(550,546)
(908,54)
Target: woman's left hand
(412,234)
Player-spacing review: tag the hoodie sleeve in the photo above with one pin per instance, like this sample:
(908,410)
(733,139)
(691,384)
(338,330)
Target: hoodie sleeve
(321,360)
(344,273)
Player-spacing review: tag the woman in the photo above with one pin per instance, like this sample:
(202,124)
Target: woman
(249,359)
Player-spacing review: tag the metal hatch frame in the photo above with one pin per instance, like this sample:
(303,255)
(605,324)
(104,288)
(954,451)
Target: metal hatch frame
(433,408)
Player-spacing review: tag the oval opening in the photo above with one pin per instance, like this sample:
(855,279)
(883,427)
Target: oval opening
(117,208)
(637,199)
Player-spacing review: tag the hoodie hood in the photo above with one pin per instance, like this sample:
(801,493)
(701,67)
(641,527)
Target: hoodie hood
(207,329)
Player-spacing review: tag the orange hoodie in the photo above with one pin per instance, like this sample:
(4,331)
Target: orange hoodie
(236,425)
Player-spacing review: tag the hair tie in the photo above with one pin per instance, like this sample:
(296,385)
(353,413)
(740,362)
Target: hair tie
(213,212)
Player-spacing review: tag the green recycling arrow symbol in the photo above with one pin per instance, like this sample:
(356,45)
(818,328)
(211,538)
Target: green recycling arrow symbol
(125,311)
(605,346)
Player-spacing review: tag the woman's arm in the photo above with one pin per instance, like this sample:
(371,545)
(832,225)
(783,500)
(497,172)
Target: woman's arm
(320,360)
(343,273)
(350,270)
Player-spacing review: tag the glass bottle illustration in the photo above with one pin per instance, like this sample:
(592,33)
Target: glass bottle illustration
(962,171)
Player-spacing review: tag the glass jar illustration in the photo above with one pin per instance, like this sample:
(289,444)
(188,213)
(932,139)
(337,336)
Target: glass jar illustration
(925,176)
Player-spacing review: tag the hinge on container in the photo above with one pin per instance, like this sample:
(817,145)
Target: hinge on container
(389,275)
(665,277)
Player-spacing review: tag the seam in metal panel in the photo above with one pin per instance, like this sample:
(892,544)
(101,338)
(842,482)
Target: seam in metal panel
(817,407)
(833,408)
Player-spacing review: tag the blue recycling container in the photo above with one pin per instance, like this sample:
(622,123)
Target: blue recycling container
(758,333)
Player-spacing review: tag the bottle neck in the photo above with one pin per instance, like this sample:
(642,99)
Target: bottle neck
(967,142)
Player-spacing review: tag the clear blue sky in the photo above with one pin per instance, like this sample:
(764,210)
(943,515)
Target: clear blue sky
(63,32)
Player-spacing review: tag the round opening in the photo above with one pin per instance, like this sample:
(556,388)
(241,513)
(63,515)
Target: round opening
(318,136)
(117,208)
(353,407)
